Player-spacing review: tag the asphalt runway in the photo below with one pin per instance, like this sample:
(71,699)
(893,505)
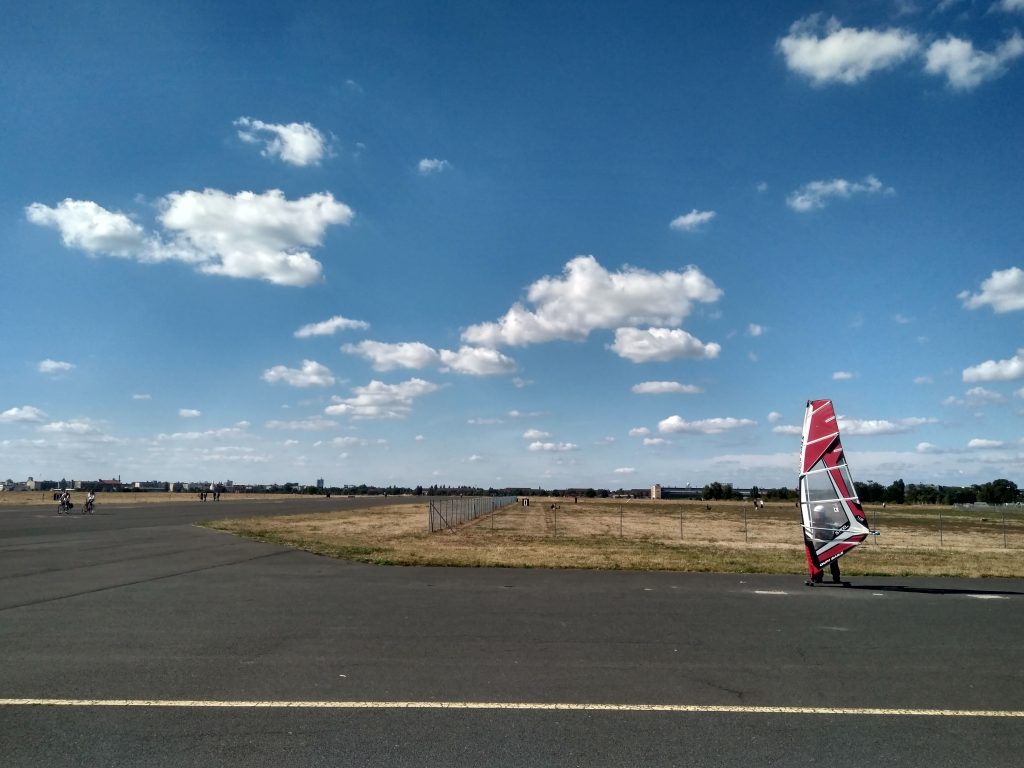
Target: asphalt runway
(134,638)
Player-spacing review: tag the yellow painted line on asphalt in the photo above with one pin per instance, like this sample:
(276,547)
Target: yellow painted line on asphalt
(515,705)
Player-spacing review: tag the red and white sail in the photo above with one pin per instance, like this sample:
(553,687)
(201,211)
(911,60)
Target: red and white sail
(833,519)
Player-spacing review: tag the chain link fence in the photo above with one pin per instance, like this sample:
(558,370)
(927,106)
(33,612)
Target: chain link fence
(448,512)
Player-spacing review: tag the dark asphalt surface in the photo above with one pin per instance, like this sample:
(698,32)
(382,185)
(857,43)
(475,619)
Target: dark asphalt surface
(138,603)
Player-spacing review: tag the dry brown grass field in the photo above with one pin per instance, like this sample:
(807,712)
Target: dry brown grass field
(731,537)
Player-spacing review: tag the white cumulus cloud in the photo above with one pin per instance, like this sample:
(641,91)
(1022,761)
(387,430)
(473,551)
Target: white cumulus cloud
(478,361)
(817,194)
(535,434)
(660,344)
(429,165)
(329,327)
(305,425)
(71,427)
(311,374)
(297,144)
(247,235)
(692,221)
(997,370)
(255,236)
(1003,290)
(473,361)
(665,388)
(703,426)
(982,443)
(27,413)
(387,356)
(867,427)
(588,297)
(826,52)
(966,68)
(88,226)
(787,429)
(552,447)
(624,470)
(54,366)
(378,400)
(189,413)
(842,376)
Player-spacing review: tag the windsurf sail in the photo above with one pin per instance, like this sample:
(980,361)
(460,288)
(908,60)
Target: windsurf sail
(833,519)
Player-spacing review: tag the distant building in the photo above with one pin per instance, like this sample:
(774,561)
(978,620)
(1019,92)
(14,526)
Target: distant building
(667,492)
(320,483)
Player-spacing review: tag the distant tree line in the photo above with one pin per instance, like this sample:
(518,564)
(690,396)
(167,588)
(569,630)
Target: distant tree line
(1000,491)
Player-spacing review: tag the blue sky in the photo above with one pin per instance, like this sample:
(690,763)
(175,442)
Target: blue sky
(528,244)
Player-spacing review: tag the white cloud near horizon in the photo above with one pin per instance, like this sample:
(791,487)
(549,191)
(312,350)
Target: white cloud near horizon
(1003,290)
(304,425)
(787,429)
(869,427)
(25,413)
(587,297)
(826,52)
(997,370)
(624,471)
(429,165)
(54,366)
(552,447)
(965,67)
(843,376)
(311,374)
(298,144)
(330,327)
(665,388)
(246,235)
(78,427)
(378,400)
(817,194)
(660,345)
(692,221)
(982,443)
(713,426)
(189,413)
